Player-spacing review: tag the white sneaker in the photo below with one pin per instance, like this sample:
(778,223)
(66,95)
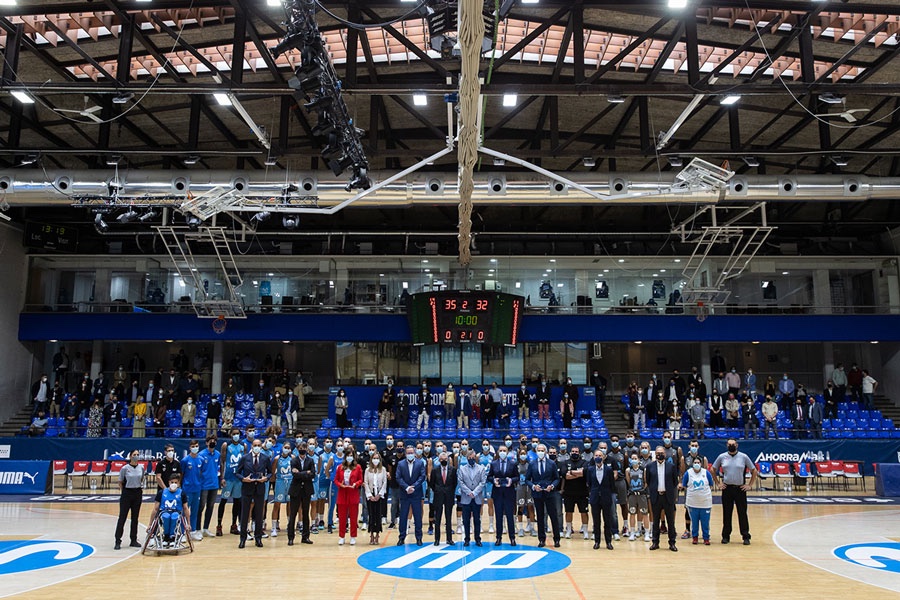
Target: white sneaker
(196,536)
(274,532)
(647,537)
(363,528)
(352,541)
(491,528)
(585,533)
(340,541)
(616,537)
(568,532)
(631,537)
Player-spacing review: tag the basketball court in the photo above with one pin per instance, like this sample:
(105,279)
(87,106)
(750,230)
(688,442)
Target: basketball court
(804,545)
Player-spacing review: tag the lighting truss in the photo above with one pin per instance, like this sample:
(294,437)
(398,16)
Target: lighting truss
(317,88)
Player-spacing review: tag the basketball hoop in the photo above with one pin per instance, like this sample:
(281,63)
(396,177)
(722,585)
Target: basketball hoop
(219,324)
(702,312)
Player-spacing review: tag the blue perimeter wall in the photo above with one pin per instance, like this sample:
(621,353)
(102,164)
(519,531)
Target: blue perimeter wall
(345,327)
(866,451)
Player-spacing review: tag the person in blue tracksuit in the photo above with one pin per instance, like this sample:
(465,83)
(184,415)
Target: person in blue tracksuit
(209,483)
(192,466)
(171,506)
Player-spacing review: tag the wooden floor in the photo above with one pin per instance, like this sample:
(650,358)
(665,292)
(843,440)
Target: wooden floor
(780,563)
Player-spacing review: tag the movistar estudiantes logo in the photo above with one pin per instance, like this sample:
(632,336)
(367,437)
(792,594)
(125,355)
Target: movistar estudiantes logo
(455,563)
(883,556)
(18,556)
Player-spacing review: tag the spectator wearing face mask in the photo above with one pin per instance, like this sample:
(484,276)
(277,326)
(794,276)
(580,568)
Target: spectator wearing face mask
(188,414)
(131,487)
(732,465)
(687,461)
(411,475)
(341,408)
(348,478)
(523,401)
(733,381)
(376,488)
(574,491)
(697,483)
(661,478)
(254,471)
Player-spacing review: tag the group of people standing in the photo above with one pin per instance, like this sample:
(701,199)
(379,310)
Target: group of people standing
(539,483)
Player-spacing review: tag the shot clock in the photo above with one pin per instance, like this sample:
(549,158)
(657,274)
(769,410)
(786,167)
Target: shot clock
(465,317)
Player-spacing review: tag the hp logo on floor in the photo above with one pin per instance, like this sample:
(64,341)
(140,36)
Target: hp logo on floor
(455,563)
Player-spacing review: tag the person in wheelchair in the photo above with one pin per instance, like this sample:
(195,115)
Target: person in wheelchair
(171,506)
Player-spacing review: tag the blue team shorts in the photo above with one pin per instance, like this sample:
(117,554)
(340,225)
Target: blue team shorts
(315,494)
(232,489)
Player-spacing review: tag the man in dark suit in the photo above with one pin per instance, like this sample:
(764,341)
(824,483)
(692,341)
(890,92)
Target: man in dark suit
(410,476)
(505,476)
(600,480)
(816,413)
(542,477)
(798,417)
(300,492)
(254,470)
(661,478)
(443,484)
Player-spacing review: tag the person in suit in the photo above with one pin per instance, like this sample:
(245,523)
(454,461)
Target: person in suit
(816,415)
(543,478)
(661,479)
(600,481)
(410,477)
(255,470)
(300,492)
(348,478)
(471,476)
(798,417)
(443,485)
(505,476)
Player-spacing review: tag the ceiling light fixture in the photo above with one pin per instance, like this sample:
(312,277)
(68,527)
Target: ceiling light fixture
(589,161)
(751,161)
(615,99)
(510,100)
(22,97)
(420,100)
(222,98)
(729,100)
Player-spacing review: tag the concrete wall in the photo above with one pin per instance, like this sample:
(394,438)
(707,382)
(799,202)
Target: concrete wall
(16,363)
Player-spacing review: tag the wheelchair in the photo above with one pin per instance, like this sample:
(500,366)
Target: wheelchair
(155,540)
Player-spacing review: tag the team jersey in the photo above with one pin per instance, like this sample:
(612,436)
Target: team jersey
(233,454)
(283,469)
(172,501)
(672,455)
(636,481)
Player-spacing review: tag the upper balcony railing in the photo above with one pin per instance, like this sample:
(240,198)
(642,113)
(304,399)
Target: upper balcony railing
(122,306)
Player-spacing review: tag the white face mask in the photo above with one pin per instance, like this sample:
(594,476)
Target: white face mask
(376,461)
(173,487)
(170,454)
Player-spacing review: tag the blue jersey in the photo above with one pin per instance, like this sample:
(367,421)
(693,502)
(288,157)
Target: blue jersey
(233,455)
(172,501)
(209,474)
(192,467)
(283,469)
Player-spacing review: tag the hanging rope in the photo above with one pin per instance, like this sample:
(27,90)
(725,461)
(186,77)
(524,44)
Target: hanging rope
(471,32)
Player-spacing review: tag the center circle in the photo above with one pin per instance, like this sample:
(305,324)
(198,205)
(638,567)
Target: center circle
(458,563)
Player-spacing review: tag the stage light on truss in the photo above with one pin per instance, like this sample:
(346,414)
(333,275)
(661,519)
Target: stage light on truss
(360,180)
(261,217)
(193,222)
(99,224)
(676,161)
(271,161)
(122,98)
(29,159)
(589,161)
(319,102)
(840,160)
(128,216)
(290,222)
(338,165)
(323,127)
(148,216)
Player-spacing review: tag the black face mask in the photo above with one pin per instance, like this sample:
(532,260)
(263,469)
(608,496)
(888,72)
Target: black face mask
(575,456)
(660,457)
(443,463)
(552,457)
(732,447)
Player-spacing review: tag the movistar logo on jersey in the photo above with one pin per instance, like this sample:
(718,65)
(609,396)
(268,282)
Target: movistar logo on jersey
(455,563)
(18,556)
(883,556)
